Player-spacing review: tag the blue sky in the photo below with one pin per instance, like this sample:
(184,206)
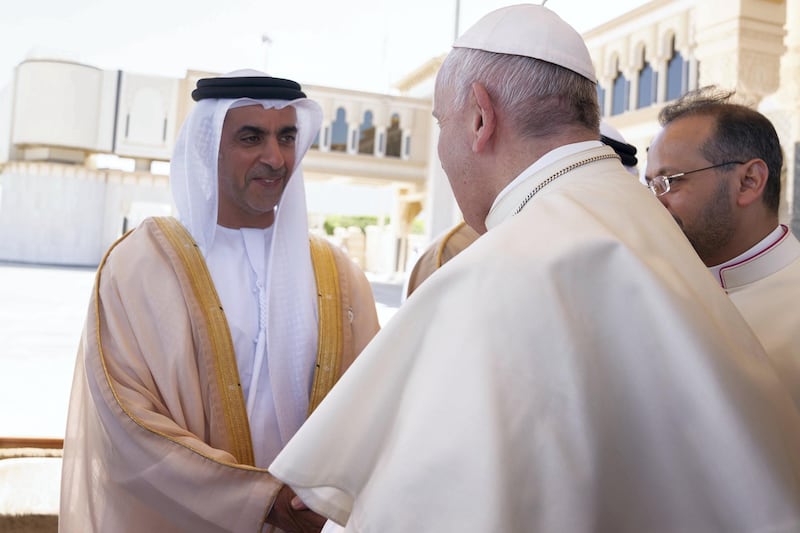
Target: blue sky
(354,44)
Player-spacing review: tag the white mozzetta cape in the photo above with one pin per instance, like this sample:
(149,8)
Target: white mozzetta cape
(576,369)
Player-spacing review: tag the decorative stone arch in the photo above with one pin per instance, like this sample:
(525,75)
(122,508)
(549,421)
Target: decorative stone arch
(605,80)
(339,130)
(322,141)
(644,76)
(676,73)
(619,86)
(394,136)
(380,121)
(366,129)
(613,64)
(667,42)
(638,56)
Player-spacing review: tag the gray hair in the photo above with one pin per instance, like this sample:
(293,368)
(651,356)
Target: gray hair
(542,98)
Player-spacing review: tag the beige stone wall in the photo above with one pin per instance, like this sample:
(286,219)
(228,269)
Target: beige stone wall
(751,46)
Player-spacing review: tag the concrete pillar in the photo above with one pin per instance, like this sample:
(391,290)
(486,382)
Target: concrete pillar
(325,137)
(661,90)
(633,88)
(783,109)
(353,134)
(790,89)
(405,145)
(380,141)
(693,74)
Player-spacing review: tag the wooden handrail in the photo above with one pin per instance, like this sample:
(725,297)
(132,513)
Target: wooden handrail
(31,442)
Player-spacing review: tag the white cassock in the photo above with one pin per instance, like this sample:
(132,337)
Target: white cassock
(764,284)
(576,369)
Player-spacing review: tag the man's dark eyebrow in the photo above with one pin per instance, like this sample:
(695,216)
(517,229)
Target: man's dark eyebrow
(261,131)
(250,129)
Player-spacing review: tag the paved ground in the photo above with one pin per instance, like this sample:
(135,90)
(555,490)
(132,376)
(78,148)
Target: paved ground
(41,315)
(42,310)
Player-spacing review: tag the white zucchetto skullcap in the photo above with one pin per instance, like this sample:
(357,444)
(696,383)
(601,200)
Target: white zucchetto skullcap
(530,30)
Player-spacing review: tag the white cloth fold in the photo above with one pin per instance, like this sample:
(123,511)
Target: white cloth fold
(571,371)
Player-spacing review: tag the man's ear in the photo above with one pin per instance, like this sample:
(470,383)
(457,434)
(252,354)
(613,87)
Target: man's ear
(484,121)
(752,182)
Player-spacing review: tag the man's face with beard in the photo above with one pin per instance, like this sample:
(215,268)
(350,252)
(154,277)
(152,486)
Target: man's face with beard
(702,203)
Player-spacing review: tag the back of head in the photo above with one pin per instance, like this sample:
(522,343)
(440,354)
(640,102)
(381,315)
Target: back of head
(534,65)
(740,134)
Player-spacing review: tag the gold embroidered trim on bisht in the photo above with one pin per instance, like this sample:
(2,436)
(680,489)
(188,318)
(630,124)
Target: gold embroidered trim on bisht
(445,240)
(224,357)
(331,338)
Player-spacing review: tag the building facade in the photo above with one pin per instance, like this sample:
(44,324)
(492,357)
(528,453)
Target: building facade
(59,121)
(84,155)
(657,52)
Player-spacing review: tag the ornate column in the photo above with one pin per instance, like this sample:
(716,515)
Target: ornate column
(783,109)
(325,136)
(380,120)
(380,141)
(632,76)
(406,126)
(352,137)
(790,91)
(661,88)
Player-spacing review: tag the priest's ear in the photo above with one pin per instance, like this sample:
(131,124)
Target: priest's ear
(752,181)
(484,120)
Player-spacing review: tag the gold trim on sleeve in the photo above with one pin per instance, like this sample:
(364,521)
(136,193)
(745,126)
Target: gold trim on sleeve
(224,358)
(331,339)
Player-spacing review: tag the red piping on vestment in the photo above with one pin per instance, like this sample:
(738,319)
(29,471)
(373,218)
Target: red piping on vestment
(762,252)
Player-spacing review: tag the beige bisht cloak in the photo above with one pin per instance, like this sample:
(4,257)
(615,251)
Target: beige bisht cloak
(440,252)
(158,437)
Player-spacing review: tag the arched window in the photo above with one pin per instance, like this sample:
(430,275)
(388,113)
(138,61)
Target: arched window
(619,95)
(394,137)
(339,132)
(647,85)
(676,74)
(366,140)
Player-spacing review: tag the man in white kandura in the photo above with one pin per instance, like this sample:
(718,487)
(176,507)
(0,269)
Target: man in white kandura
(576,369)
(210,338)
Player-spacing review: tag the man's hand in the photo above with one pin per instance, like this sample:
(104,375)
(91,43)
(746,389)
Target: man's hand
(293,519)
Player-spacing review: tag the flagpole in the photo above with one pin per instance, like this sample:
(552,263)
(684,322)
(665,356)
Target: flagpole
(458,15)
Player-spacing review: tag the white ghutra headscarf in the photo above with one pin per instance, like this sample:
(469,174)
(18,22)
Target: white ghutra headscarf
(290,290)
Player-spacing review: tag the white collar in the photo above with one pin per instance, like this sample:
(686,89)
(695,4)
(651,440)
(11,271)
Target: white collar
(746,267)
(542,162)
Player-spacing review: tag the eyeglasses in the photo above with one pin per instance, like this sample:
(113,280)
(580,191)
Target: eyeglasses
(659,185)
